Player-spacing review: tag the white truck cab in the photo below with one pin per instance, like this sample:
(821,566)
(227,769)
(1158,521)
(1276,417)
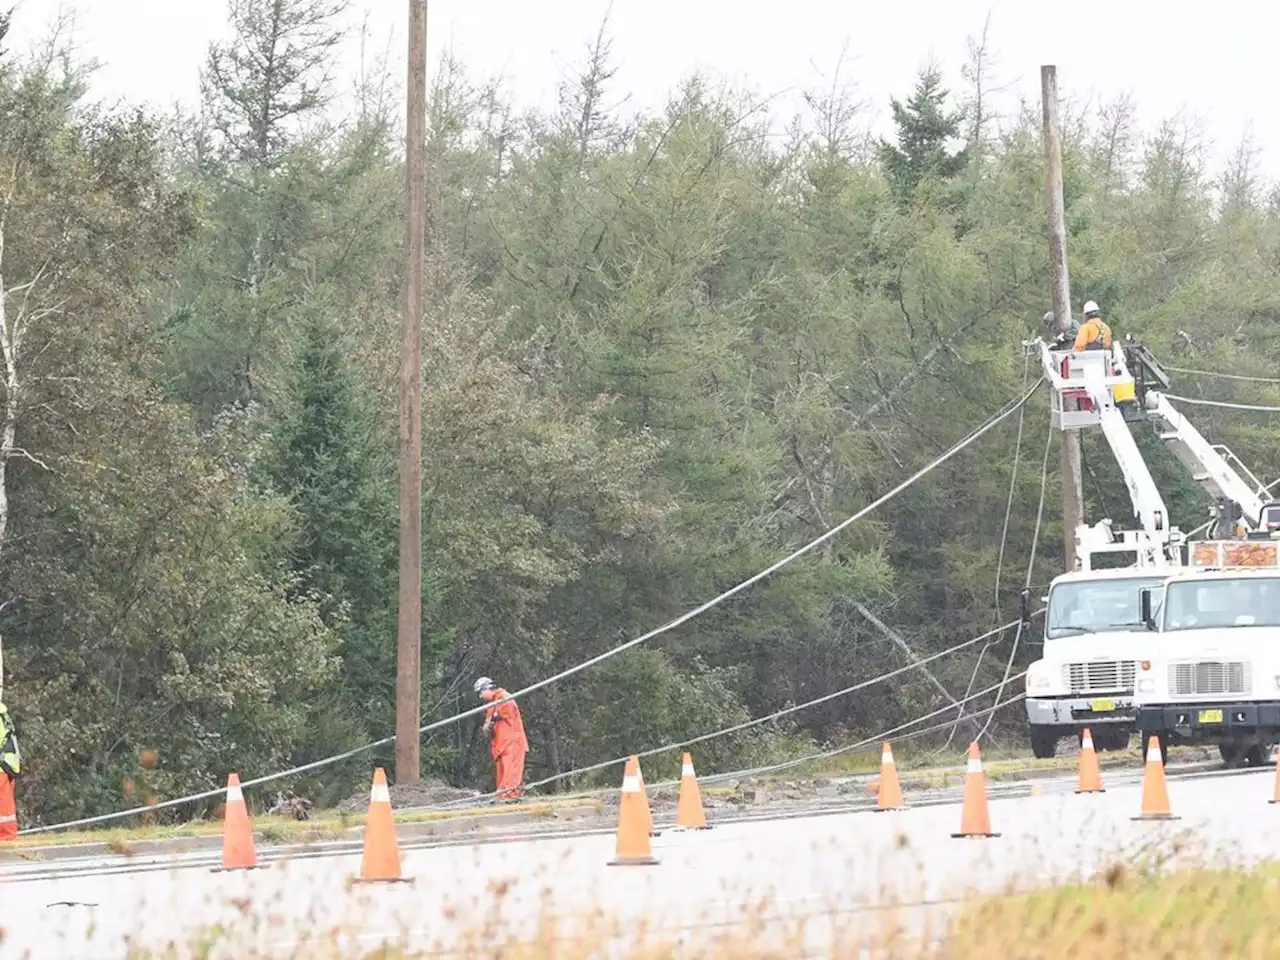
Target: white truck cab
(1270,520)
(1094,637)
(1213,677)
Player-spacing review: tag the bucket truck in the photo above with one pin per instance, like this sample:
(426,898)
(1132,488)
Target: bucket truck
(1213,673)
(1094,634)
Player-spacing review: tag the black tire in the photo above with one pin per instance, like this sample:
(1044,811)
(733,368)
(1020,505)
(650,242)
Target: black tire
(1044,743)
(1233,753)
(1257,755)
(1114,740)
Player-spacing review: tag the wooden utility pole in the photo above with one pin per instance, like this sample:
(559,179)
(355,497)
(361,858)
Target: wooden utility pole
(409,632)
(1072,485)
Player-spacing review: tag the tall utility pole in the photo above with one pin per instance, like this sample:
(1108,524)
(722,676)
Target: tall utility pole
(1072,485)
(409,632)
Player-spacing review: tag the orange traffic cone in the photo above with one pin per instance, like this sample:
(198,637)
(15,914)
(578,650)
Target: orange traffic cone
(1090,772)
(689,813)
(975,818)
(1277,796)
(890,794)
(381,861)
(1155,793)
(633,820)
(238,852)
(648,810)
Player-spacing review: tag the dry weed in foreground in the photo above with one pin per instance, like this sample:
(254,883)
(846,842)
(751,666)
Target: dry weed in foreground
(1203,912)
(758,932)
(1127,911)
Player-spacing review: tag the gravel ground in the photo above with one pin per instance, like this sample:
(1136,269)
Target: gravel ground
(424,793)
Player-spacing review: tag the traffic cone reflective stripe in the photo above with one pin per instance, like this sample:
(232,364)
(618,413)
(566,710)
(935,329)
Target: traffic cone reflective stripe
(238,851)
(1155,793)
(633,848)
(1090,772)
(689,812)
(975,818)
(381,860)
(889,796)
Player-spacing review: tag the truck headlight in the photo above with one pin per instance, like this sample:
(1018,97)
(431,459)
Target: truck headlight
(1148,685)
(1038,681)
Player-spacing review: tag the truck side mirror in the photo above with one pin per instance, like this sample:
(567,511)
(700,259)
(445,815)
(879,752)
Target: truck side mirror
(1024,605)
(1144,602)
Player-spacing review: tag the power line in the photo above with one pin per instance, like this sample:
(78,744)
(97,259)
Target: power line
(1013,479)
(799,761)
(1224,376)
(827,754)
(968,441)
(1256,408)
(737,728)
(1004,540)
(1031,564)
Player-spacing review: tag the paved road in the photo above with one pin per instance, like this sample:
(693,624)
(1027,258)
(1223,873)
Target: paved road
(802,879)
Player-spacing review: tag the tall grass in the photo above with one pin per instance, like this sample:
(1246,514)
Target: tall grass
(1124,913)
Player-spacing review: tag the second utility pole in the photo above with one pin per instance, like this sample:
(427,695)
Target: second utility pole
(409,625)
(1072,486)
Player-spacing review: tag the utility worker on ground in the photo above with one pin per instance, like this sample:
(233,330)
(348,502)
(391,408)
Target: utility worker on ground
(1094,334)
(10,767)
(507,742)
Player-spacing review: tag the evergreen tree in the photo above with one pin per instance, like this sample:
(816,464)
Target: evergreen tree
(263,172)
(328,456)
(275,72)
(925,126)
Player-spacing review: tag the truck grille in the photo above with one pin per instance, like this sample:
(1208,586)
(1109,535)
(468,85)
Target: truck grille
(1099,676)
(1210,678)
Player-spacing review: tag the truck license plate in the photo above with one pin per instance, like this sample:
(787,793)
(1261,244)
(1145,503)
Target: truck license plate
(1210,716)
(1102,706)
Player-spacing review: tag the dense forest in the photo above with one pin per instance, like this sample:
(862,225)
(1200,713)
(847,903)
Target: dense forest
(660,352)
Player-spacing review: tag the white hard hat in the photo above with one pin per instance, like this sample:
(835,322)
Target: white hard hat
(1090,307)
(483,684)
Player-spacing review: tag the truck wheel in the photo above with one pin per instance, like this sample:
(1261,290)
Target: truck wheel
(1257,755)
(1113,740)
(1044,743)
(1232,753)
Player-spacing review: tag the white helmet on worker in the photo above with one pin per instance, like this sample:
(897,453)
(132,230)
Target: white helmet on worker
(1090,309)
(483,684)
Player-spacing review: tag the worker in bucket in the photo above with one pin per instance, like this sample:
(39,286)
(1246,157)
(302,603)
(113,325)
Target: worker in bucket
(10,766)
(1061,339)
(507,742)
(1094,334)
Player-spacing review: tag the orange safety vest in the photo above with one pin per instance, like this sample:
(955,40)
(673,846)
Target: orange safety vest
(1093,335)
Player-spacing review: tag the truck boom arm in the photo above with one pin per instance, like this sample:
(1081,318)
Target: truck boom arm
(1084,391)
(1148,505)
(1208,467)
(1098,388)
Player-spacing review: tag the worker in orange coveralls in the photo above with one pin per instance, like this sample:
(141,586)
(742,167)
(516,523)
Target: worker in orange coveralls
(507,742)
(10,766)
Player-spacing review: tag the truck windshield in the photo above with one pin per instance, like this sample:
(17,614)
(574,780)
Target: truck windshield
(1270,517)
(1222,602)
(1094,606)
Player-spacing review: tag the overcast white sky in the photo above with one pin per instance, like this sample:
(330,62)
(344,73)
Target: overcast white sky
(1216,61)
